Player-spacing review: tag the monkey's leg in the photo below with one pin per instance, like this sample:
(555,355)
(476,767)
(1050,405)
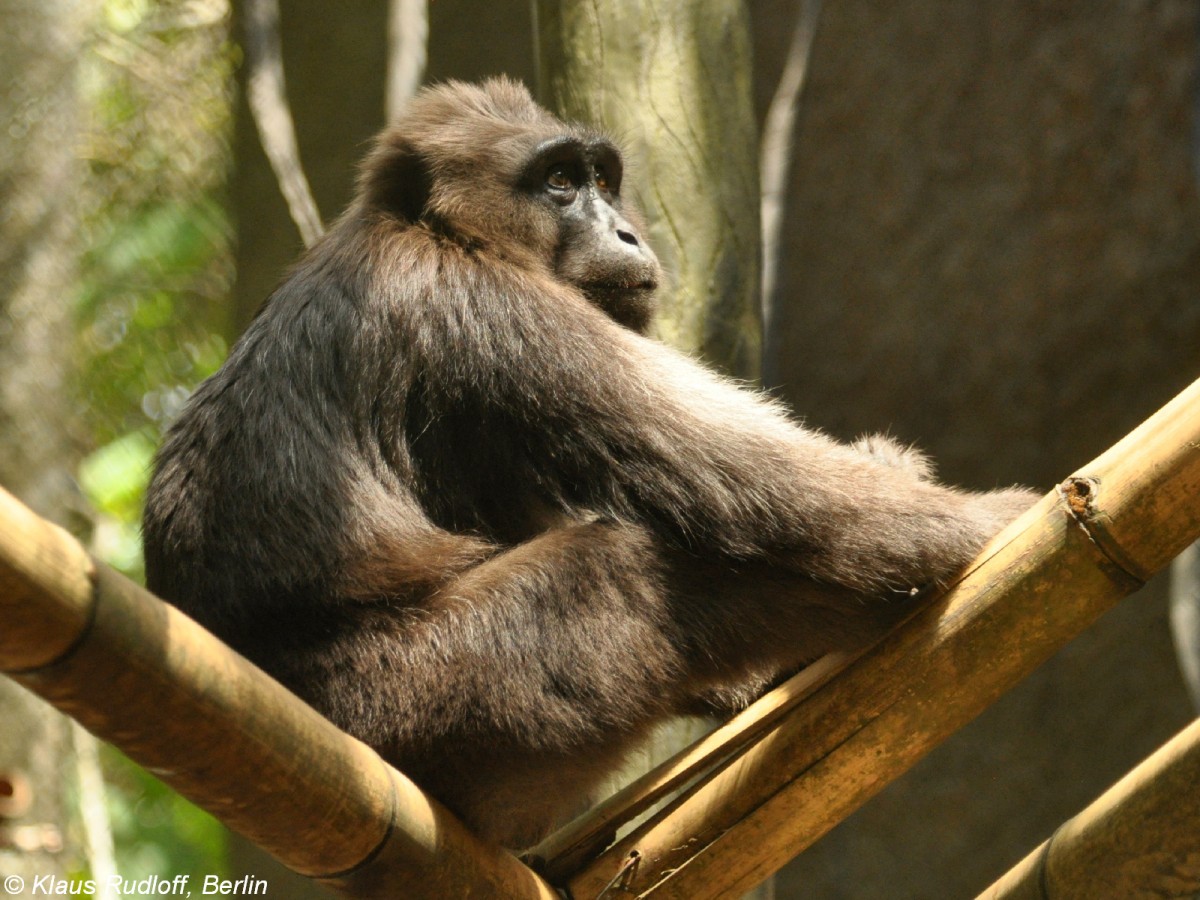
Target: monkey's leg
(515,687)
(519,684)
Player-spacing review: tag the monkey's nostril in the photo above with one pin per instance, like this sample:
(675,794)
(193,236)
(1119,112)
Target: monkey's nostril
(628,237)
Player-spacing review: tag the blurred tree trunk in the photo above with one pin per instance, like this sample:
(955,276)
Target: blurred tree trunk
(40,173)
(671,79)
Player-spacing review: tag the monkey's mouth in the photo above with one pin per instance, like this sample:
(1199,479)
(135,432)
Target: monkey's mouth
(608,290)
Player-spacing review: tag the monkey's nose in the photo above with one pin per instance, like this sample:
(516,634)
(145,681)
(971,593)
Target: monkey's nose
(628,237)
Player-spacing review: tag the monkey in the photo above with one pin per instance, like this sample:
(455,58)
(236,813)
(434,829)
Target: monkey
(447,490)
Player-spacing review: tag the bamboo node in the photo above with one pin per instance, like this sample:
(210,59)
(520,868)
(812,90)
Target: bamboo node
(1081,494)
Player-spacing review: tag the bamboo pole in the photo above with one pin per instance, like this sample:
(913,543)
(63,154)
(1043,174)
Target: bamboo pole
(1141,838)
(1098,537)
(141,675)
(571,847)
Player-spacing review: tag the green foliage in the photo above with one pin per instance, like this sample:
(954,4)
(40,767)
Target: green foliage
(157,832)
(121,16)
(148,328)
(152,300)
(114,479)
(152,304)
(151,310)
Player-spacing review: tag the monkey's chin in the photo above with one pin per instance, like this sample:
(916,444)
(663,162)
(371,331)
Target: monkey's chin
(628,305)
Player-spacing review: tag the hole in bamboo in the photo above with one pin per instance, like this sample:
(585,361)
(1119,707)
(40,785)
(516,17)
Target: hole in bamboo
(1079,494)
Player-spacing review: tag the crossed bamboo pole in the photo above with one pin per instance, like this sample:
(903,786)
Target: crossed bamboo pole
(141,675)
(1141,838)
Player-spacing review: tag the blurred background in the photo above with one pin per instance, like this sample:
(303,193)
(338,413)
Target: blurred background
(989,247)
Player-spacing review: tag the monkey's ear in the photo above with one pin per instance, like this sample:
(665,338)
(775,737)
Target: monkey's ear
(395,179)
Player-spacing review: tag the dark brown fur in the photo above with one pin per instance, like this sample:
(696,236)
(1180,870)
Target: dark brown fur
(446,491)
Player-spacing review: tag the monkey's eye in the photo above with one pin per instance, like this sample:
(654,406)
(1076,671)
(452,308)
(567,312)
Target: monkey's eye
(559,178)
(601,177)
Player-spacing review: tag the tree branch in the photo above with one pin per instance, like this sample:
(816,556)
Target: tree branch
(408,35)
(775,158)
(266,95)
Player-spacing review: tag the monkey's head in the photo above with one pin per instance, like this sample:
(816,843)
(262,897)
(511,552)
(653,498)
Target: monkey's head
(486,166)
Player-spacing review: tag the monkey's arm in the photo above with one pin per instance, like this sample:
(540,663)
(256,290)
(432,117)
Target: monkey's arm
(609,421)
(849,515)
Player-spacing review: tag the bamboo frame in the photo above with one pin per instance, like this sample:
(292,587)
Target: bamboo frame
(141,675)
(146,678)
(1140,838)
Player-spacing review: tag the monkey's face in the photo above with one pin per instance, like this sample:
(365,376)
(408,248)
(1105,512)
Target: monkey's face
(494,169)
(577,182)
